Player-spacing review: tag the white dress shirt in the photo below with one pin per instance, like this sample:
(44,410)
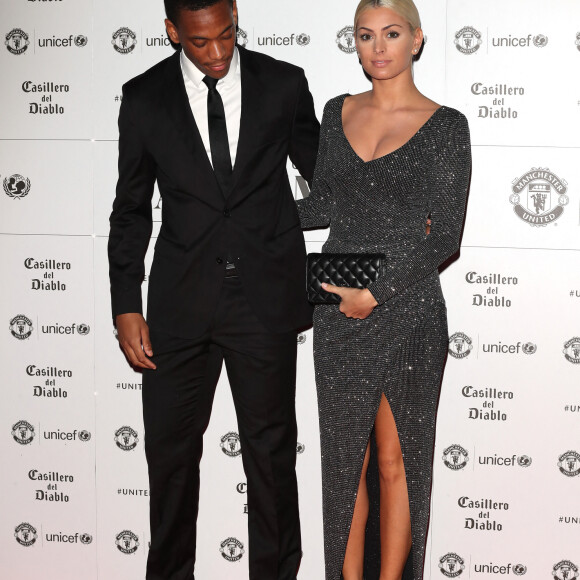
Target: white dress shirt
(230,90)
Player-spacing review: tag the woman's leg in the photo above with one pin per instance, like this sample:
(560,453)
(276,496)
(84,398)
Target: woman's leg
(395,519)
(352,568)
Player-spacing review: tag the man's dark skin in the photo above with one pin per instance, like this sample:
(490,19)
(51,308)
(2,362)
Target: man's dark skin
(208,39)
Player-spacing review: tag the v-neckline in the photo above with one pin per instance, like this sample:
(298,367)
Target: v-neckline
(394,150)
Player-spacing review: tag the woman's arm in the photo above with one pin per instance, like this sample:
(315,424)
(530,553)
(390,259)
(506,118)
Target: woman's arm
(315,210)
(448,191)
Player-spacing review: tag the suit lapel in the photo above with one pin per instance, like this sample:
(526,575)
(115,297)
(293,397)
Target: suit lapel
(179,110)
(251,91)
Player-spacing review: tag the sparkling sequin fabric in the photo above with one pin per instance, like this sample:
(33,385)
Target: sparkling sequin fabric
(399,350)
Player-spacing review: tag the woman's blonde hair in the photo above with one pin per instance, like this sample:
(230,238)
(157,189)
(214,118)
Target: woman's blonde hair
(404,8)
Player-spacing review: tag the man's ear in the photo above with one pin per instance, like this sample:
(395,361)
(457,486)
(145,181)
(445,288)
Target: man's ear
(235,12)
(172,31)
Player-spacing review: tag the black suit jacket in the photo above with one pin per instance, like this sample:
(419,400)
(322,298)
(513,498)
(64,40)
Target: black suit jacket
(256,220)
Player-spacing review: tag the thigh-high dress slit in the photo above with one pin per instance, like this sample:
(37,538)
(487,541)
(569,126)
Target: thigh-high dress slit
(399,350)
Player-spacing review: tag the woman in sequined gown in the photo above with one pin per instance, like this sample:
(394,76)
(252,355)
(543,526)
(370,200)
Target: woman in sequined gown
(390,162)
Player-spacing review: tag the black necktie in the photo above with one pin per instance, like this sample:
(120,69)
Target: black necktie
(218,136)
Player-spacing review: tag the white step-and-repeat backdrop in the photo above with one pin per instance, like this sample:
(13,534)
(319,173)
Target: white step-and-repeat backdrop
(74,491)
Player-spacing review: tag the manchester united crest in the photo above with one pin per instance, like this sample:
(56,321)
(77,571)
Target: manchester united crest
(127,542)
(455,457)
(126,438)
(230,444)
(565,570)
(451,565)
(569,463)
(23,432)
(460,345)
(539,197)
(345,39)
(232,549)
(17,41)
(468,40)
(25,534)
(124,40)
(21,327)
(572,350)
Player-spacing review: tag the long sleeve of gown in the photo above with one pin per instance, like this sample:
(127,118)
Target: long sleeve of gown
(315,210)
(449,181)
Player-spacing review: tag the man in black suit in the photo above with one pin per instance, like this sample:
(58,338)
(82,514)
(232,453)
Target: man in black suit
(214,125)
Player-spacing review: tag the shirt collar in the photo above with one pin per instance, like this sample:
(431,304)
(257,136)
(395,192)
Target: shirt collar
(196,76)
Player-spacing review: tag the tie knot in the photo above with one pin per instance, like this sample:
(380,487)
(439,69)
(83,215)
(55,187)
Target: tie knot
(210,82)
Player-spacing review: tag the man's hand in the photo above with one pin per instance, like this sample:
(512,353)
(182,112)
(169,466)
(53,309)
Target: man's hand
(354,303)
(133,334)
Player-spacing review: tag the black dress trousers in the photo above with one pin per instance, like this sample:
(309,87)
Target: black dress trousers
(177,403)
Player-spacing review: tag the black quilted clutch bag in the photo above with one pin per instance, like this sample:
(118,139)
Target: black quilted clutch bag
(347,270)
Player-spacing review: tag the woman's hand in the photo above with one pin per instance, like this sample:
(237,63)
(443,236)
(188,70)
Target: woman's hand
(354,303)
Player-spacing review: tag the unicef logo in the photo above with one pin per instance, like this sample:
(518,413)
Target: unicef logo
(539,197)
(127,542)
(301,338)
(16,186)
(345,39)
(529,348)
(451,565)
(468,40)
(569,463)
(86,539)
(540,40)
(21,327)
(460,345)
(300,448)
(241,37)
(16,41)
(455,457)
(124,40)
(25,534)
(232,549)
(578,40)
(520,569)
(524,461)
(302,39)
(230,444)
(565,570)
(23,432)
(572,350)
(84,435)
(83,329)
(126,438)
(81,40)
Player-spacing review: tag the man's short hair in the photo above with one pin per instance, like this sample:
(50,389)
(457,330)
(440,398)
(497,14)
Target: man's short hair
(173,7)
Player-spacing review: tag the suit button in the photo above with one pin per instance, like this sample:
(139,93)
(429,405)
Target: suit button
(219,260)
(227,213)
